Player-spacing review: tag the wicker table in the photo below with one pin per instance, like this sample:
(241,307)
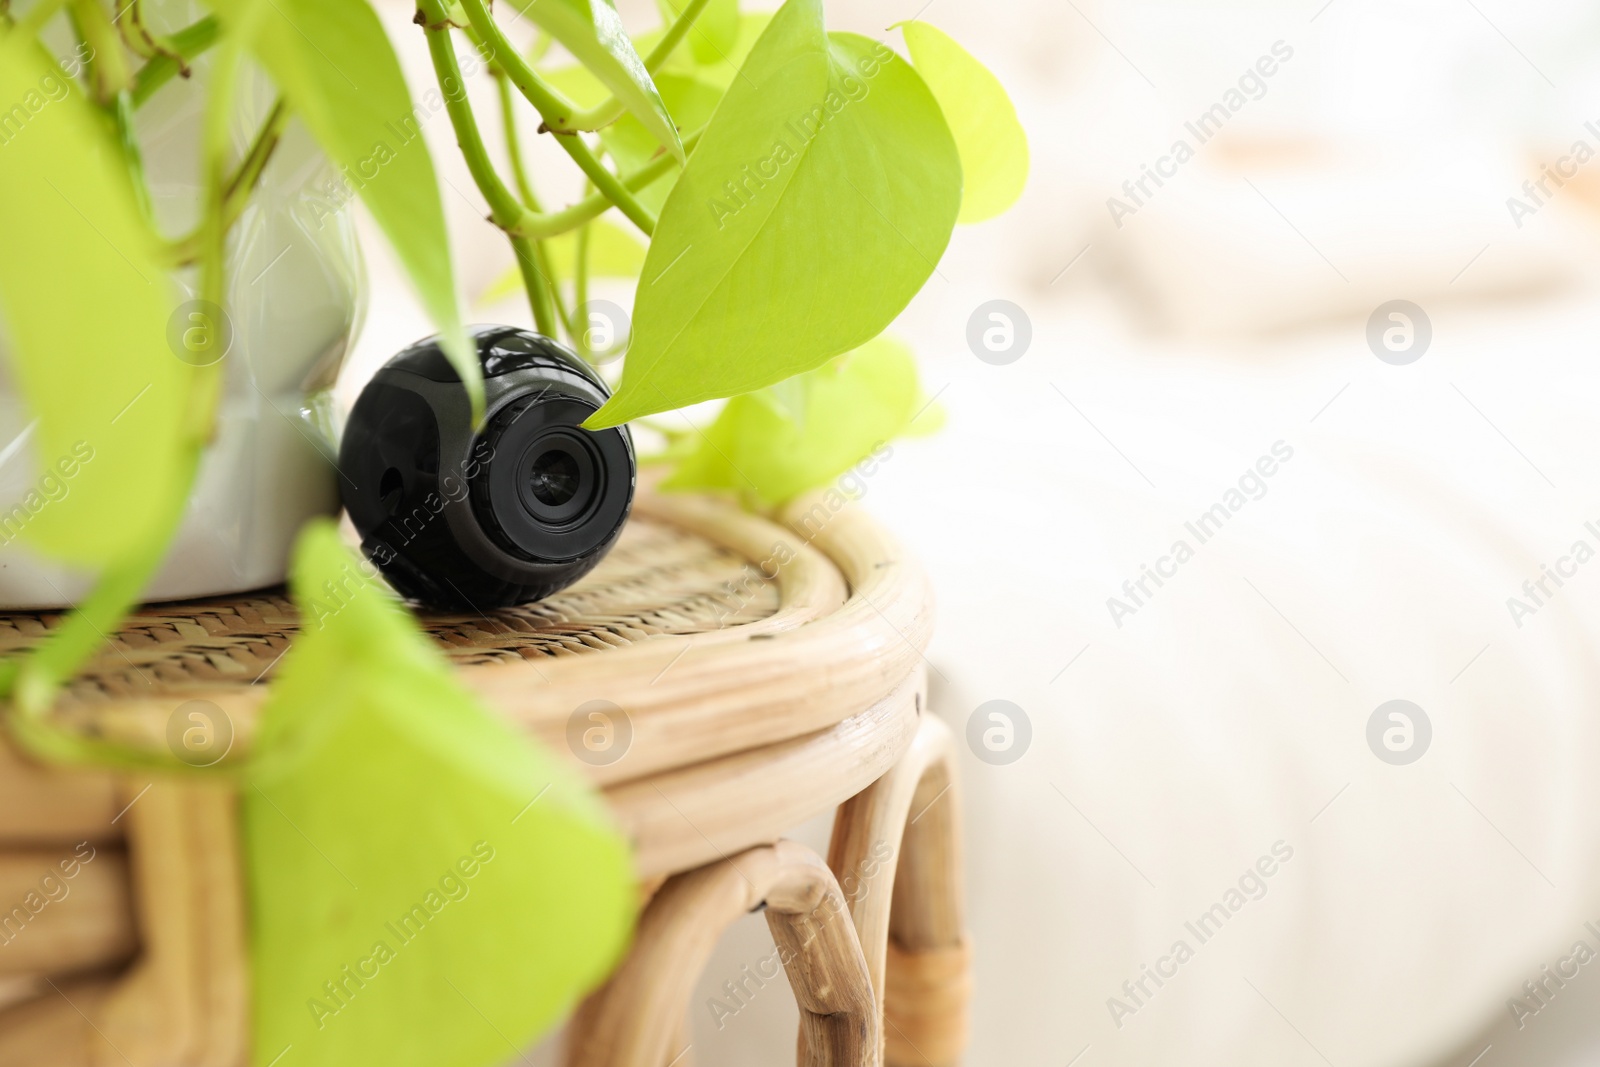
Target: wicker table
(769,671)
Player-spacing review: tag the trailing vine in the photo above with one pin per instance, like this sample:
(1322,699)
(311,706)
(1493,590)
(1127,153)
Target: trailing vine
(780,193)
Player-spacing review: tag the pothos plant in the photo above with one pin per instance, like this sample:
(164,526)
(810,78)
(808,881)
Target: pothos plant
(780,191)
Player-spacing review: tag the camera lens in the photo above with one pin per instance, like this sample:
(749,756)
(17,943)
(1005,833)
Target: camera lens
(560,477)
(554,479)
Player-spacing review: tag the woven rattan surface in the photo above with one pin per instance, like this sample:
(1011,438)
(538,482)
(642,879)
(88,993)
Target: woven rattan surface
(659,579)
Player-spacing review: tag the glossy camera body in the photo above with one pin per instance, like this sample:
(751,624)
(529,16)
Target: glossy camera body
(464,520)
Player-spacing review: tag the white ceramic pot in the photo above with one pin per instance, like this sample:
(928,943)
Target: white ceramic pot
(294,283)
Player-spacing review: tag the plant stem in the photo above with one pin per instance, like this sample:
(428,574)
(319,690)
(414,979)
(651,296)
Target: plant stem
(551,109)
(549,224)
(545,98)
(537,252)
(143,41)
(579,331)
(239,185)
(609,185)
(608,111)
(675,33)
(505,210)
(541,253)
(580,269)
(243,181)
(187,44)
(537,283)
(508,120)
(569,324)
(107,65)
(102,59)
(214,224)
(135,34)
(42,12)
(133,159)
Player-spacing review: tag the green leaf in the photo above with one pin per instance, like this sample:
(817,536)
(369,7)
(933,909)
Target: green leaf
(332,61)
(576,83)
(717,70)
(592,31)
(994,148)
(713,35)
(85,305)
(613,253)
(425,883)
(815,206)
(807,431)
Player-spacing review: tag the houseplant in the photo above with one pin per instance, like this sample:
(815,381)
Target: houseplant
(797,186)
(294,285)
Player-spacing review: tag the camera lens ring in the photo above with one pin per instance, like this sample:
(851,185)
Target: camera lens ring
(504,495)
(559,478)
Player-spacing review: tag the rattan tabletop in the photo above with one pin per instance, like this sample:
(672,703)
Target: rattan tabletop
(660,579)
(768,667)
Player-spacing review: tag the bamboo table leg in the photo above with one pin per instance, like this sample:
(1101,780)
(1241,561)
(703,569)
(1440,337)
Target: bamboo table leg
(896,853)
(183,1002)
(633,1019)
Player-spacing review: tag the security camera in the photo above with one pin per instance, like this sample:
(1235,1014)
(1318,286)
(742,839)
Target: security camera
(467,520)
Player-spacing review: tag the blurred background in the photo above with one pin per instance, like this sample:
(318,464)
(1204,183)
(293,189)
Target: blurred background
(1226,201)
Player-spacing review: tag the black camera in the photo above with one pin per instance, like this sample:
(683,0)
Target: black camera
(467,521)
